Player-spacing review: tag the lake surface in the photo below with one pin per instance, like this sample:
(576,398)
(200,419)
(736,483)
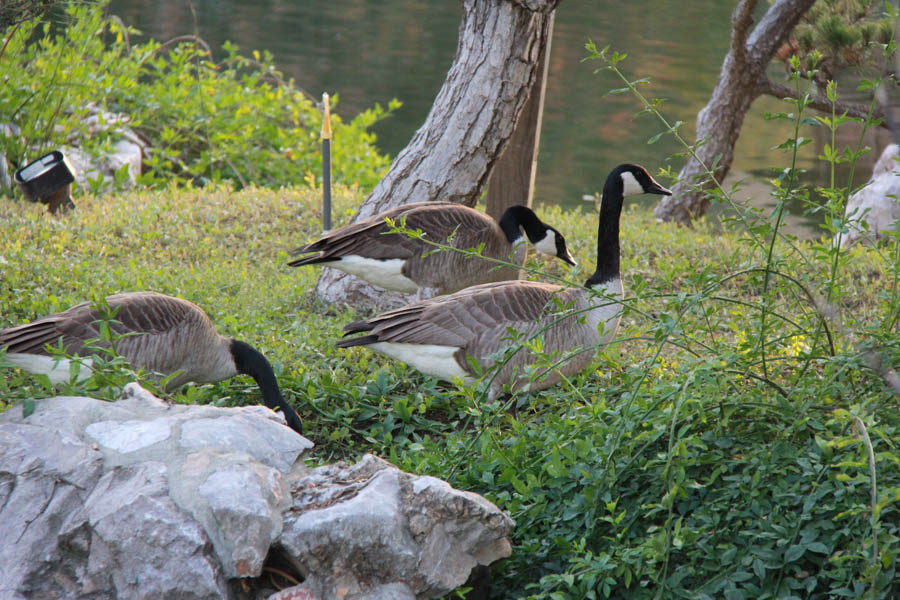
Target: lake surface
(371,51)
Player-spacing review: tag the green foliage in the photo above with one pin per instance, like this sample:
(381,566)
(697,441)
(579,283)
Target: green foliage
(738,439)
(836,34)
(674,467)
(729,455)
(237,120)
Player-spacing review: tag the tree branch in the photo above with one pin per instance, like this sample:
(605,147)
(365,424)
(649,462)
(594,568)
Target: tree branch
(741,20)
(774,27)
(859,111)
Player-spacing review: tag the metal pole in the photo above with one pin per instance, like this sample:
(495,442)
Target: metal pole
(326,164)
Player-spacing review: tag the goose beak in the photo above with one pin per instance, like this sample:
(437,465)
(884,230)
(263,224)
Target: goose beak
(569,259)
(655,188)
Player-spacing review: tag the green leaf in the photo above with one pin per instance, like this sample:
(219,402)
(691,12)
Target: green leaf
(818,547)
(794,552)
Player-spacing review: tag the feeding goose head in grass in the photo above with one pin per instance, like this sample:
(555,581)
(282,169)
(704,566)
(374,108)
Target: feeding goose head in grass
(157,333)
(436,335)
(372,251)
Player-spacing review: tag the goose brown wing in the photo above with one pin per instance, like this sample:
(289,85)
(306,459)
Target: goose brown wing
(351,239)
(135,313)
(462,319)
(367,238)
(31,338)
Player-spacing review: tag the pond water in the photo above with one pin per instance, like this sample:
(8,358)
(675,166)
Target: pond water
(369,51)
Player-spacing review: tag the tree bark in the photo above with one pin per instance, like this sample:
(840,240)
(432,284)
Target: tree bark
(474,114)
(741,80)
(512,181)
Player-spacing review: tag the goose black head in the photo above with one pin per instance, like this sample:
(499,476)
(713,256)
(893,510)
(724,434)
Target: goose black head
(554,244)
(636,180)
(249,361)
(543,237)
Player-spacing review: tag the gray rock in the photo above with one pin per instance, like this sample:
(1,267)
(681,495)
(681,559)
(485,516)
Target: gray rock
(130,436)
(240,504)
(127,149)
(355,529)
(44,477)
(139,543)
(874,210)
(141,499)
(140,513)
(262,439)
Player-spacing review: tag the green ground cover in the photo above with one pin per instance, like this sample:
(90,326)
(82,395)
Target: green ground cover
(679,465)
(738,439)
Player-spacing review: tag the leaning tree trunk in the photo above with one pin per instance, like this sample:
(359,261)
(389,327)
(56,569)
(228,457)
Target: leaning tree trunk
(512,180)
(474,114)
(741,80)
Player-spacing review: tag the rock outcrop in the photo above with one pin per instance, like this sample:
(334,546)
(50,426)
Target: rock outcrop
(874,209)
(140,499)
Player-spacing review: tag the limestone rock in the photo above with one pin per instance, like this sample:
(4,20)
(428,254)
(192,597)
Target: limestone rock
(872,210)
(126,150)
(354,530)
(141,499)
(113,503)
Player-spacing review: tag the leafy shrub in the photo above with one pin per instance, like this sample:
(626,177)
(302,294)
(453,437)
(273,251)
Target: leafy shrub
(237,120)
(737,440)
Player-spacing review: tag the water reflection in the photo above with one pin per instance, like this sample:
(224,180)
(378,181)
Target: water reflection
(370,52)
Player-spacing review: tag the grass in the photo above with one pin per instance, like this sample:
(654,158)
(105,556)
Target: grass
(693,460)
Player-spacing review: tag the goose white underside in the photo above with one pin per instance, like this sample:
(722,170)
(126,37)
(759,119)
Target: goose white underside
(387,274)
(57,369)
(607,314)
(431,359)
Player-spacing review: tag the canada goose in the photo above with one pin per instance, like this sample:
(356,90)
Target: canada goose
(162,334)
(435,335)
(404,264)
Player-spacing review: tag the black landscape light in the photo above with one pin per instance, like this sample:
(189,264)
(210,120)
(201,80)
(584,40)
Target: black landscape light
(48,180)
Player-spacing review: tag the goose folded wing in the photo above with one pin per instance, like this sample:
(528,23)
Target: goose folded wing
(74,328)
(465,318)
(364,238)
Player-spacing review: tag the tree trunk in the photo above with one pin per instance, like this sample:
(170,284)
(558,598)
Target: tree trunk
(512,181)
(474,114)
(741,80)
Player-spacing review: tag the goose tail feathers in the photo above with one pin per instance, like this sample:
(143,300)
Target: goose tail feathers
(363,340)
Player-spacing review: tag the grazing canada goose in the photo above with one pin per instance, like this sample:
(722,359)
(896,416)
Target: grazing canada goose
(162,334)
(436,335)
(399,263)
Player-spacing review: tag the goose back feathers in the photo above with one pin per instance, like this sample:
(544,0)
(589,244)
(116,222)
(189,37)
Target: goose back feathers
(400,263)
(161,334)
(435,335)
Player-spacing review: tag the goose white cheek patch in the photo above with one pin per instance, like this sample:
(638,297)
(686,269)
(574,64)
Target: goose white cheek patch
(547,245)
(631,185)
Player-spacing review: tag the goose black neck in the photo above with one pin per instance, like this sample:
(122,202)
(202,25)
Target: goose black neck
(608,230)
(249,361)
(517,216)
